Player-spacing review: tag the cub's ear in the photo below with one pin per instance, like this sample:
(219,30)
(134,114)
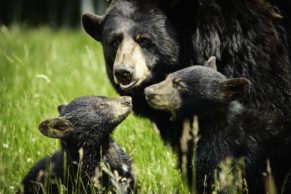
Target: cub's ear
(61,108)
(211,63)
(93,25)
(233,89)
(56,127)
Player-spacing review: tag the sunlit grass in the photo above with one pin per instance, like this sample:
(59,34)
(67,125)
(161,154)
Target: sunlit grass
(40,69)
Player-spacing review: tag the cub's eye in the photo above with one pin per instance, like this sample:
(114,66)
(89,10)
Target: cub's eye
(102,105)
(115,43)
(177,83)
(142,40)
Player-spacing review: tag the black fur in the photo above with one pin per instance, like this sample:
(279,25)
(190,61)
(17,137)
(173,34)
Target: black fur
(84,127)
(248,37)
(226,127)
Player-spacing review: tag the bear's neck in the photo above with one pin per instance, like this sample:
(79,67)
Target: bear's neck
(87,157)
(220,118)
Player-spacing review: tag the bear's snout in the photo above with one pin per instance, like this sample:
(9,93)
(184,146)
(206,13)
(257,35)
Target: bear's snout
(43,125)
(149,93)
(127,101)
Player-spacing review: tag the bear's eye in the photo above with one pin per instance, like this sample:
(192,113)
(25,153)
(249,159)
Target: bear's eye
(116,40)
(142,40)
(178,84)
(102,105)
(115,43)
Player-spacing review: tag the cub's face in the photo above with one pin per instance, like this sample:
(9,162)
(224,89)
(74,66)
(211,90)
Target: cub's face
(140,44)
(184,90)
(87,118)
(195,89)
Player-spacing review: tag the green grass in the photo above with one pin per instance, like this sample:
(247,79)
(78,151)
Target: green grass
(40,69)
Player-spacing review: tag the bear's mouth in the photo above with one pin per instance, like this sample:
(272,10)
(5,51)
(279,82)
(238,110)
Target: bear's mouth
(135,83)
(128,86)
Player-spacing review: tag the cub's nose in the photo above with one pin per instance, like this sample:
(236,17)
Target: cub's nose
(149,93)
(43,125)
(126,100)
(123,74)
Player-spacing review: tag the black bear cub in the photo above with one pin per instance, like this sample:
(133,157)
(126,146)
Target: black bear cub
(88,156)
(227,129)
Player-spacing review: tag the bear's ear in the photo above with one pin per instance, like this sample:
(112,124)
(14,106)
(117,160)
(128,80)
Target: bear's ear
(211,63)
(56,128)
(93,25)
(61,108)
(233,89)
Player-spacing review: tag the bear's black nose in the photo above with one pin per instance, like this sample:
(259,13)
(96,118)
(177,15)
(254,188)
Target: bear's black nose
(123,74)
(43,125)
(127,101)
(149,93)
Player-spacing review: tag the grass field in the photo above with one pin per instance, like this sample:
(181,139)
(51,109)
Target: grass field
(40,69)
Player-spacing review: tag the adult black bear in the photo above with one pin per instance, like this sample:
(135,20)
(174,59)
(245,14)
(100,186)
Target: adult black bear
(84,127)
(226,127)
(144,41)
(140,47)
